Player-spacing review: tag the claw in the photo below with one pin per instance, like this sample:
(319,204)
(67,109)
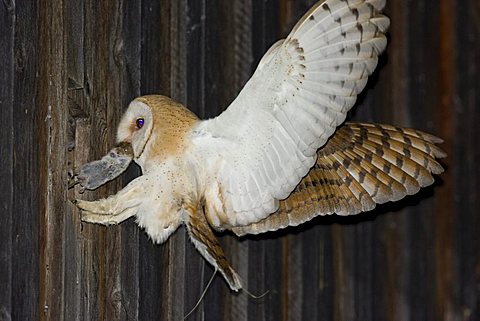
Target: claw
(72,181)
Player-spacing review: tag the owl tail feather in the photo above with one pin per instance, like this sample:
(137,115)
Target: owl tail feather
(202,237)
(360,166)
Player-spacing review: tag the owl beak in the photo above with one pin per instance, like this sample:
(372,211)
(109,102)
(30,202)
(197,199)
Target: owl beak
(94,174)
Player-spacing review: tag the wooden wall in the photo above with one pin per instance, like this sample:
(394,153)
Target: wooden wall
(69,68)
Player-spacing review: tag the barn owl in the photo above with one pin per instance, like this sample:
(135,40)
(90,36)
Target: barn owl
(279,155)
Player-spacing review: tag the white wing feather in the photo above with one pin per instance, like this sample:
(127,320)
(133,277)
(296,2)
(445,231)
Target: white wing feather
(266,140)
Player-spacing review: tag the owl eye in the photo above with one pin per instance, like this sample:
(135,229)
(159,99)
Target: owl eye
(140,122)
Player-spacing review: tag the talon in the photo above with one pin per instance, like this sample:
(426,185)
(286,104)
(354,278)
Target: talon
(79,204)
(72,181)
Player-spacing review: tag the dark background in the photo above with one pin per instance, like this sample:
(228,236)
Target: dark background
(81,61)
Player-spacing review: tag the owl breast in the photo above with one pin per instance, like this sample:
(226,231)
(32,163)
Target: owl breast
(169,187)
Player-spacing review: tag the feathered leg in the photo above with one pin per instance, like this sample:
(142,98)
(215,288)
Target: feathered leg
(116,208)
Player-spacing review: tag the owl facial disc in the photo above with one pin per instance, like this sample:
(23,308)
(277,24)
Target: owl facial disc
(94,174)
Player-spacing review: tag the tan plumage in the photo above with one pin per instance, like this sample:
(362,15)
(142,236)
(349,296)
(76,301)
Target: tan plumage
(275,157)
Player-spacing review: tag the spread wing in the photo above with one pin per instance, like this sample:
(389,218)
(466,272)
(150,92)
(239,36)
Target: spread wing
(266,140)
(361,165)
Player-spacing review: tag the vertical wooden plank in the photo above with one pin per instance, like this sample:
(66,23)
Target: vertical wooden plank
(314,272)
(7,56)
(292,297)
(25,189)
(52,119)
(89,131)
(343,276)
(274,258)
(214,45)
(323,301)
(465,155)
(156,47)
(447,290)
(363,256)
(178,52)
(257,281)
(73,240)
(423,38)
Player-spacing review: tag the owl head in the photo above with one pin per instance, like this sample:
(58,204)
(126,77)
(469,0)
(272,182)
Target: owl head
(152,129)
(155,126)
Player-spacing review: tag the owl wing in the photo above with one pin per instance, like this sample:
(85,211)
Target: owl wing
(266,140)
(361,165)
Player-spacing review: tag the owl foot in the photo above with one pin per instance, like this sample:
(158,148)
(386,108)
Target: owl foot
(106,219)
